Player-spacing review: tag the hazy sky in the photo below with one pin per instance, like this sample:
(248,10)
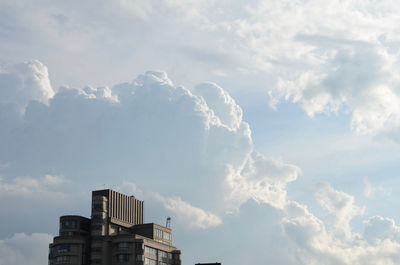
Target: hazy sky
(268,130)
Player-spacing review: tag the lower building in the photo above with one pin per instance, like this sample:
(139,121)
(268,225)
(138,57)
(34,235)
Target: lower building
(115,234)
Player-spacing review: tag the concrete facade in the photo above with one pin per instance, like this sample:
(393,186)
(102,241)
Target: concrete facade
(115,234)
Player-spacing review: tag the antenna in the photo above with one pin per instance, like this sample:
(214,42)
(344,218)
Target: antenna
(168,223)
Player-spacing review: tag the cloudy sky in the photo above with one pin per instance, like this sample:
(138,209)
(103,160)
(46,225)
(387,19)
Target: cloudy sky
(268,130)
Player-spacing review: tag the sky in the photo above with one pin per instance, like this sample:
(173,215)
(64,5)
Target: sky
(269,131)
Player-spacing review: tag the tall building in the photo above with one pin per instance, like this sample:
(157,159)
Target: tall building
(115,234)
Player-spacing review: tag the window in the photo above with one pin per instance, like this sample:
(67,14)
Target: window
(123,245)
(167,236)
(63,260)
(69,233)
(96,227)
(139,246)
(96,249)
(139,257)
(63,248)
(162,254)
(176,256)
(122,258)
(158,233)
(162,263)
(68,224)
(150,261)
(95,261)
(150,250)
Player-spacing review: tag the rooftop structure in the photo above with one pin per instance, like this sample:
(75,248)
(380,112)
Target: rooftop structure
(115,234)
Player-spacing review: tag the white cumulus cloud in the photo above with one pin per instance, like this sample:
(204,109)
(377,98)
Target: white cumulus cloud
(315,243)
(24,82)
(29,186)
(340,206)
(357,79)
(118,129)
(181,143)
(189,215)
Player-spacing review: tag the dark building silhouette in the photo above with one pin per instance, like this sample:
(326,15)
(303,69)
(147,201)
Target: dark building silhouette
(115,234)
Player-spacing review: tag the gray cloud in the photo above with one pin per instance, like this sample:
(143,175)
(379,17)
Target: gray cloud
(24,249)
(377,229)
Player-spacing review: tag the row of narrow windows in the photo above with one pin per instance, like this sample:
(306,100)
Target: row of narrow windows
(121,258)
(149,250)
(64,248)
(162,234)
(133,212)
(60,249)
(134,208)
(60,260)
(74,224)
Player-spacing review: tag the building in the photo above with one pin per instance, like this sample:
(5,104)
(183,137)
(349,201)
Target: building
(215,263)
(115,234)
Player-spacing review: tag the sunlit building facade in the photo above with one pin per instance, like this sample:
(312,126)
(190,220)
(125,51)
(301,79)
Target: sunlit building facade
(115,234)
